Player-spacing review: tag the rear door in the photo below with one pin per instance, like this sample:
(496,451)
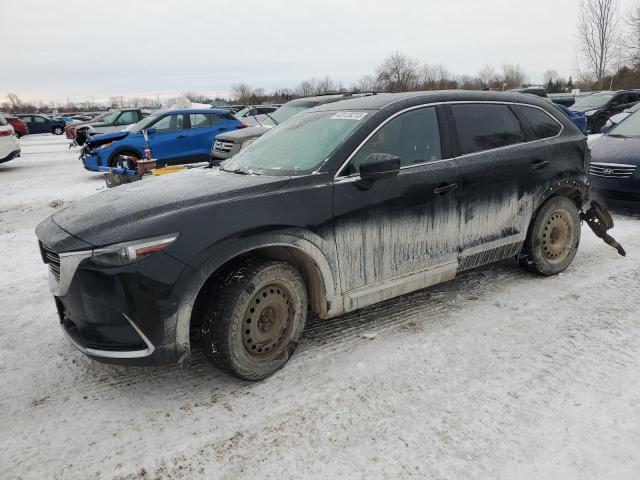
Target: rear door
(203,129)
(398,234)
(169,141)
(40,124)
(500,174)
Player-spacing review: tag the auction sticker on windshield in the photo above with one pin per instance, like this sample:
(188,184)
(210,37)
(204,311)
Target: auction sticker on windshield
(349,116)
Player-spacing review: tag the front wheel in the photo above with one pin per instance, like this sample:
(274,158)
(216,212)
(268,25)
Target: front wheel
(253,317)
(57,130)
(553,238)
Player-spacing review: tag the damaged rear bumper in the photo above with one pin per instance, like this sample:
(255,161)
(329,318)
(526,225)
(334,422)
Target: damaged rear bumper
(600,221)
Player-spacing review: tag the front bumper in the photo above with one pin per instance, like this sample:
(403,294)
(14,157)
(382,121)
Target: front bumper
(13,154)
(626,190)
(91,160)
(125,315)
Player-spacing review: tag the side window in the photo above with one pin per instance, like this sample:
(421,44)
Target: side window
(199,120)
(213,119)
(486,126)
(127,118)
(26,119)
(542,124)
(37,119)
(413,136)
(168,123)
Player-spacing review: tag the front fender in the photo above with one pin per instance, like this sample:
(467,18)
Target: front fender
(221,254)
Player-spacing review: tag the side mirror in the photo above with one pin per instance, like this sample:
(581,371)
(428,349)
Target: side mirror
(379,165)
(150,131)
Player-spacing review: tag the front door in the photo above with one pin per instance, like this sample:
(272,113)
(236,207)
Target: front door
(169,140)
(397,234)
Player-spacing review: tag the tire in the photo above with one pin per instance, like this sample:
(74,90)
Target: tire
(252,316)
(117,161)
(57,130)
(553,238)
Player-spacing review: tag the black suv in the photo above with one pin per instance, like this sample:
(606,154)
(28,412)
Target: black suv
(598,107)
(342,206)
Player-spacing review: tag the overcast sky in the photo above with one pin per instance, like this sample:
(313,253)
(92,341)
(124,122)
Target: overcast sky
(52,50)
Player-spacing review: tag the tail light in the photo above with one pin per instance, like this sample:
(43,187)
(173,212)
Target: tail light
(6,133)
(242,125)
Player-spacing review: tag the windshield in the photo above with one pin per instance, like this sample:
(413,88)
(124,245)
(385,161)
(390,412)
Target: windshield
(595,100)
(144,123)
(287,111)
(243,111)
(111,117)
(297,147)
(629,127)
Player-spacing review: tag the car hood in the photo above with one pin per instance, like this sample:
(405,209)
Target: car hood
(155,205)
(616,150)
(239,136)
(106,138)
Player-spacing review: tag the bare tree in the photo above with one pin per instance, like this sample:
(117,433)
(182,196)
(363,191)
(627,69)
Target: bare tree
(631,40)
(550,76)
(435,77)
(242,92)
(487,76)
(599,37)
(513,76)
(14,101)
(398,73)
(367,83)
(196,97)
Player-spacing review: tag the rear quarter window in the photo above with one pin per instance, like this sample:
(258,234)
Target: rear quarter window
(486,126)
(542,124)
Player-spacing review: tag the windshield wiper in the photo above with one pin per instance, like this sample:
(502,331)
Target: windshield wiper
(240,171)
(272,119)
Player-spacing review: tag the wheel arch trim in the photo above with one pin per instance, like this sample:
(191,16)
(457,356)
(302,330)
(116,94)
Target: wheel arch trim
(313,254)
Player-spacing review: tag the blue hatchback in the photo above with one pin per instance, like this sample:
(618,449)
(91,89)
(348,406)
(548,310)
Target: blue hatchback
(175,137)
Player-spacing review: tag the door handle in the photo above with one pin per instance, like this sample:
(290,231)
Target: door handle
(540,164)
(445,188)
(181,136)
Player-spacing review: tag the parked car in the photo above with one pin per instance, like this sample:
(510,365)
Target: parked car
(175,137)
(578,118)
(616,119)
(599,107)
(340,207)
(42,124)
(19,127)
(70,130)
(254,110)
(9,145)
(228,144)
(115,121)
(615,162)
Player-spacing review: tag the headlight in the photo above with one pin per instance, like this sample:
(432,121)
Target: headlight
(129,252)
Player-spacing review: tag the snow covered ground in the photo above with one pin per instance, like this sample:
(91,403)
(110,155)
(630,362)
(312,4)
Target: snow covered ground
(497,374)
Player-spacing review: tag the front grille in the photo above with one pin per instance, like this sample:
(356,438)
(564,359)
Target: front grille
(222,146)
(612,170)
(52,259)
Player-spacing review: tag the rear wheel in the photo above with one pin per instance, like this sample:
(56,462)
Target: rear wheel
(57,130)
(553,238)
(252,317)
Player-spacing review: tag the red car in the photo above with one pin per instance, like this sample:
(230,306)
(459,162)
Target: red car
(18,125)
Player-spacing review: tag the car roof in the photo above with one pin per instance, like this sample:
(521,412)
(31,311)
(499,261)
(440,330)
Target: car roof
(384,100)
(221,111)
